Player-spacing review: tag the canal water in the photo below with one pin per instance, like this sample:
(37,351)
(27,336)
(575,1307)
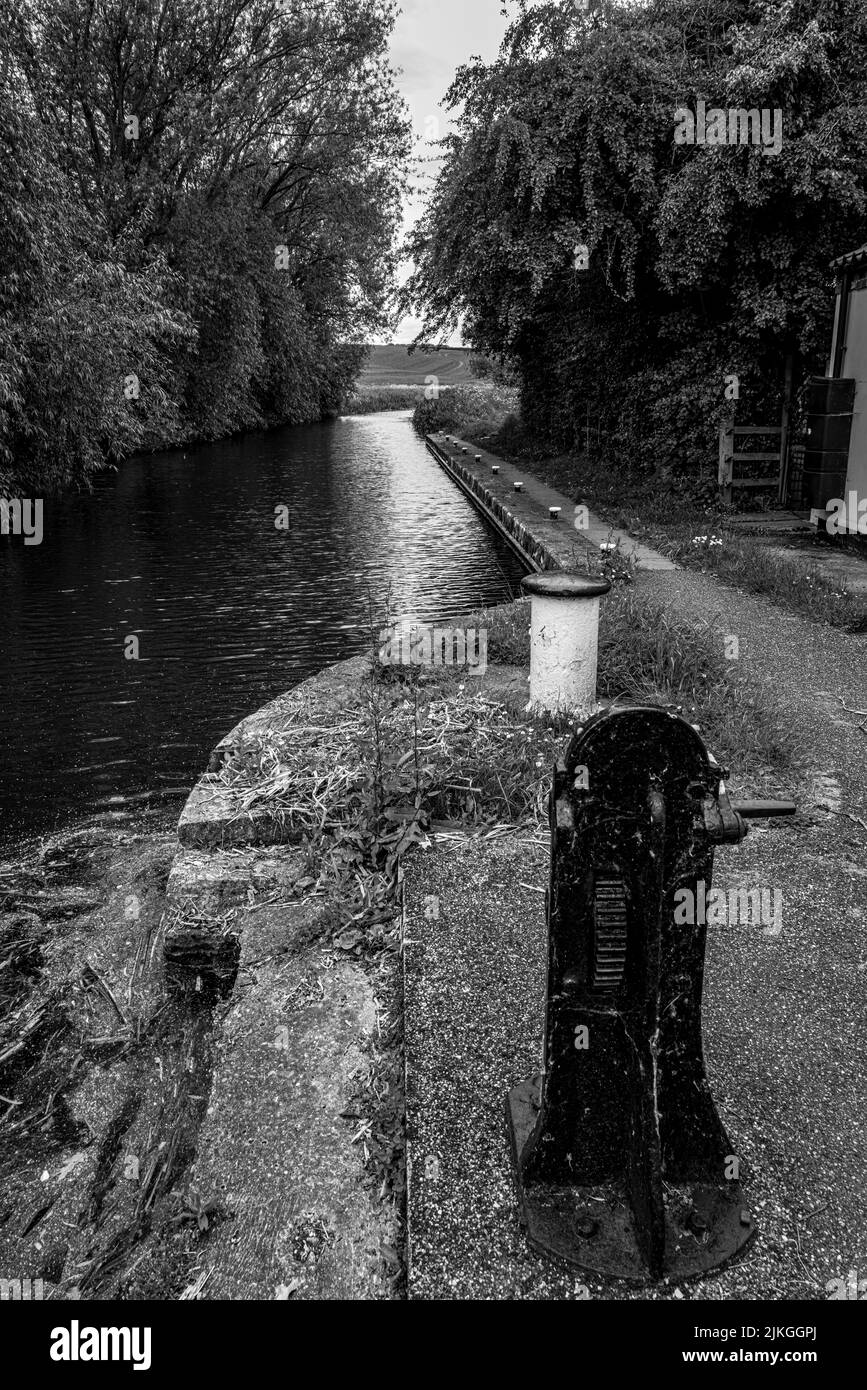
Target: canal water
(180,551)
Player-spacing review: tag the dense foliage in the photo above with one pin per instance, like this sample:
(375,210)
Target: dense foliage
(197,207)
(703,260)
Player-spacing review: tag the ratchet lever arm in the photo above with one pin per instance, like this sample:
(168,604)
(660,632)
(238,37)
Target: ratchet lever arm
(727,824)
(756,810)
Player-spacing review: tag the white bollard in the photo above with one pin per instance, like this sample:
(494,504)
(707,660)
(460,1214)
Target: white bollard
(564,640)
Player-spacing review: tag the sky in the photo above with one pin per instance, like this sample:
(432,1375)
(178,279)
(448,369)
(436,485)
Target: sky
(431,39)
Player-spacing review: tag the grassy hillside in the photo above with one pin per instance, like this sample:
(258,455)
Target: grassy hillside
(392,365)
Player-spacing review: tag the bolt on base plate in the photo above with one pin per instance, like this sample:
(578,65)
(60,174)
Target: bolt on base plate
(706,1225)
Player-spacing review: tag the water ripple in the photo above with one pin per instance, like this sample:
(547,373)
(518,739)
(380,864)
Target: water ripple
(229,611)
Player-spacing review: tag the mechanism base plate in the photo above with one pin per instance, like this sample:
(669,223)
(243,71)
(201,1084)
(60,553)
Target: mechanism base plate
(593,1228)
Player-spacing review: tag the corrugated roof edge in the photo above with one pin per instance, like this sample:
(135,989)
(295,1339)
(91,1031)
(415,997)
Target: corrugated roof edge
(852,258)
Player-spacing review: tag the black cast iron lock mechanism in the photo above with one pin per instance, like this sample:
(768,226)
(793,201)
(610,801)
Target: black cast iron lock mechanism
(622,1163)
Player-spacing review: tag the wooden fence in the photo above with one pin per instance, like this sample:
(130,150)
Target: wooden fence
(729,434)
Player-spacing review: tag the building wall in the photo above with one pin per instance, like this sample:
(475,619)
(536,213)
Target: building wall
(855,365)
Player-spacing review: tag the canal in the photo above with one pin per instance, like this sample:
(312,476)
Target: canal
(180,551)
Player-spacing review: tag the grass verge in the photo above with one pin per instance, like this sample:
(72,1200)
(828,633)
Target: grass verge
(373,399)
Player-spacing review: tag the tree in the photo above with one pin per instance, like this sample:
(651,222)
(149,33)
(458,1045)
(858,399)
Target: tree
(75,324)
(241,160)
(701,260)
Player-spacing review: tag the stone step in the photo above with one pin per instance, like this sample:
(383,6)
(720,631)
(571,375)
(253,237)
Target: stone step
(214,818)
(225,877)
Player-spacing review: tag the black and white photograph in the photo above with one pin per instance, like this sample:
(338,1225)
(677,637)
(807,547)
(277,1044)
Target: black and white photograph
(433,679)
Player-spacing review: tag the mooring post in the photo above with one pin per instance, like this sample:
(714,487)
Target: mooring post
(622,1163)
(564,640)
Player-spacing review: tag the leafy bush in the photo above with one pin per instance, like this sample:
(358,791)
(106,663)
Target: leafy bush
(475,410)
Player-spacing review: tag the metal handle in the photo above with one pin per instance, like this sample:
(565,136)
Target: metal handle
(756,810)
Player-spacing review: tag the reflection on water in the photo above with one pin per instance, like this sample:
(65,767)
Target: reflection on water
(182,553)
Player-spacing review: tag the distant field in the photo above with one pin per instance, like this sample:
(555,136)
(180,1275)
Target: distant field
(392,365)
